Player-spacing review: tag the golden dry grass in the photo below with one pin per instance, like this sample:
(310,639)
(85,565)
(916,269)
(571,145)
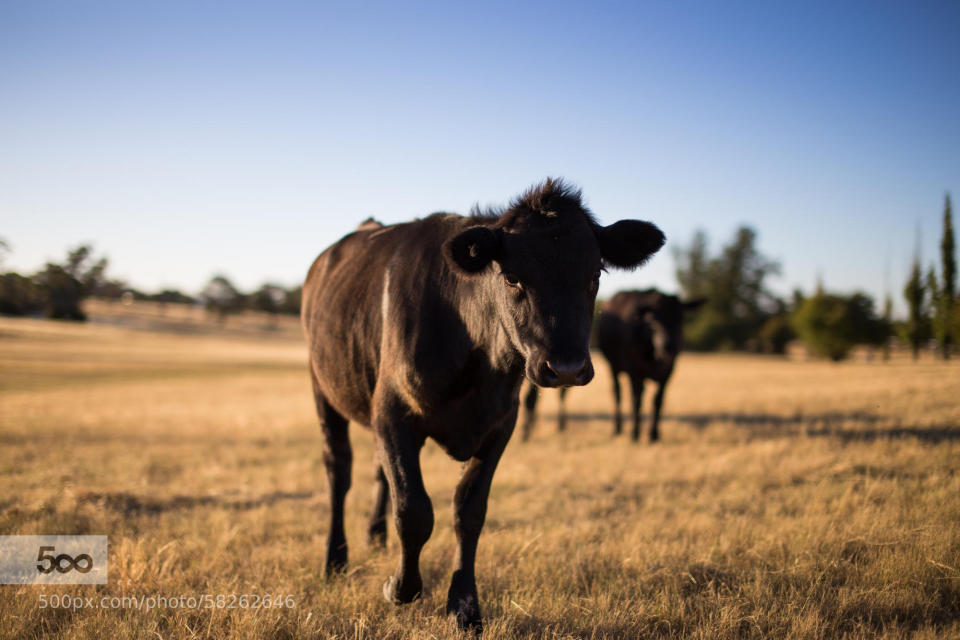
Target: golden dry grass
(801,500)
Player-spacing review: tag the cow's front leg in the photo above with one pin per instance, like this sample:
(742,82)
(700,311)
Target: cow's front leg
(469,512)
(399,451)
(530,415)
(562,411)
(617,420)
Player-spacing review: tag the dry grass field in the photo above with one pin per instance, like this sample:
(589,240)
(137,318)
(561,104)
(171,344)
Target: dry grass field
(786,500)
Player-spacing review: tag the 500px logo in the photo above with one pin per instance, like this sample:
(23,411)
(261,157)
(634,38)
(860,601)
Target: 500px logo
(73,564)
(53,559)
(66,601)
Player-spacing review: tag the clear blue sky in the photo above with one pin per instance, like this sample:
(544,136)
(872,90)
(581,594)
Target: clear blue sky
(185,139)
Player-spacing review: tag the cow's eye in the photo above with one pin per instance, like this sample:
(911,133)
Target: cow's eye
(511,280)
(596,280)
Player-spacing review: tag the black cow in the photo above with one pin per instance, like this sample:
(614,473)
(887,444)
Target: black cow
(641,333)
(426,329)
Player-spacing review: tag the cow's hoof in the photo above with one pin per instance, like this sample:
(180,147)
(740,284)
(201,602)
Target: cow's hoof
(466,613)
(396,593)
(463,605)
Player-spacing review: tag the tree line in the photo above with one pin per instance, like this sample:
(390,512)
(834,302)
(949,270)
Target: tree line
(741,313)
(57,291)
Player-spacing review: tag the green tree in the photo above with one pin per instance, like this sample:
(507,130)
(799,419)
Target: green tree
(221,298)
(944,300)
(291,301)
(90,273)
(4,250)
(171,295)
(20,295)
(776,333)
(63,293)
(888,325)
(270,299)
(66,285)
(831,324)
(916,330)
(734,285)
(693,267)
(58,290)
(933,289)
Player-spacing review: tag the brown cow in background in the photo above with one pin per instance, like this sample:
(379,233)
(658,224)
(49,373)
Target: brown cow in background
(640,333)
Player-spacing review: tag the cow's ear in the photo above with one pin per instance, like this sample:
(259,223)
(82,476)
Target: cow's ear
(629,243)
(471,250)
(693,305)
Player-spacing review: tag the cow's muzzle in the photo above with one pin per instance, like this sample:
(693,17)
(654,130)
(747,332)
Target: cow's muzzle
(555,372)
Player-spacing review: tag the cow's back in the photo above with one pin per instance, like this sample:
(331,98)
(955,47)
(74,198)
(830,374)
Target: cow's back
(373,276)
(341,326)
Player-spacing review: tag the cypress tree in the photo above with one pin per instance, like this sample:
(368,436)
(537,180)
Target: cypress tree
(915,292)
(887,324)
(947,295)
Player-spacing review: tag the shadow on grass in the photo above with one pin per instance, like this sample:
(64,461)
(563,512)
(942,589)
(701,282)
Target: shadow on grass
(131,505)
(701,421)
(935,434)
(828,424)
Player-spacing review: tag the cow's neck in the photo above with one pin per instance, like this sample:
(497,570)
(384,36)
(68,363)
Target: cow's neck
(478,309)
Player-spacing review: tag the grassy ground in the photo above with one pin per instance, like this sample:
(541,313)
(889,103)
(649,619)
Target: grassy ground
(786,499)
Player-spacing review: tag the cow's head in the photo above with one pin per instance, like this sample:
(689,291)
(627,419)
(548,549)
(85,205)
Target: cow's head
(656,320)
(540,261)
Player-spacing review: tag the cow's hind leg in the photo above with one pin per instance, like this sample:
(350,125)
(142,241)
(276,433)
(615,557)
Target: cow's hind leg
(657,405)
(377,529)
(399,450)
(337,458)
(636,382)
(469,512)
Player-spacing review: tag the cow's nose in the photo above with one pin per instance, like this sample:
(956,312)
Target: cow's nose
(566,373)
